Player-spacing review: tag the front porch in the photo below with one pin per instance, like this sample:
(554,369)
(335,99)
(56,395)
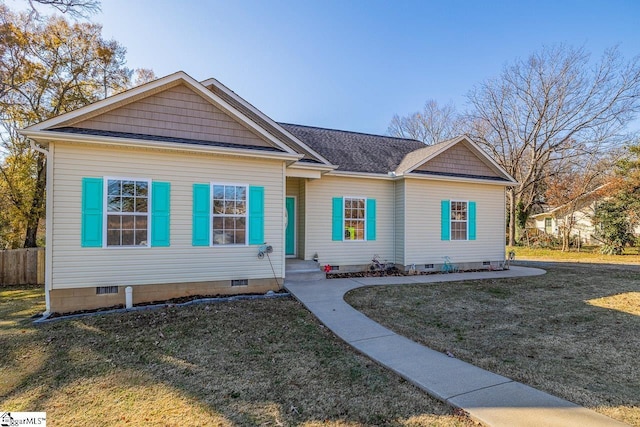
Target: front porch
(295,220)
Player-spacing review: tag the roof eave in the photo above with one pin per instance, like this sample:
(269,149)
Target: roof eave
(371,175)
(52,136)
(313,166)
(510,183)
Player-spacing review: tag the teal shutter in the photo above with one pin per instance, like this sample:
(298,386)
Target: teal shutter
(256,215)
(472,220)
(91,233)
(201,214)
(371,219)
(445,220)
(160,210)
(337,226)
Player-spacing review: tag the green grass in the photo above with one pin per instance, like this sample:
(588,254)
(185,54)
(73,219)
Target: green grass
(587,254)
(573,332)
(266,362)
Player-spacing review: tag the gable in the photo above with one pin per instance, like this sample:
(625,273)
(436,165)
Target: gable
(273,128)
(177,112)
(458,159)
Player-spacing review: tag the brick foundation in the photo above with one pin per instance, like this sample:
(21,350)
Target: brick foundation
(68,300)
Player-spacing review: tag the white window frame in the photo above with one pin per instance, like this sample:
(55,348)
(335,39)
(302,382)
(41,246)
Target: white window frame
(105,212)
(344,219)
(451,220)
(246,215)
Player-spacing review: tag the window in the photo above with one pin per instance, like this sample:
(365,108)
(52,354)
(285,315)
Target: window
(547,226)
(127,213)
(354,218)
(229,214)
(458,220)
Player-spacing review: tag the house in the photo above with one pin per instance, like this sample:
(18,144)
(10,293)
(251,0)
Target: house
(554,221)
(574,218)
(175,187)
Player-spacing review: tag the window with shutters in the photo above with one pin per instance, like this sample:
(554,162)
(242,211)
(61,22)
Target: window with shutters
(354,218)
(229,214)
(127,203)
(459,220)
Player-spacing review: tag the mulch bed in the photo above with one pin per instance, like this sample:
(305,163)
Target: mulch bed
(169,302)
(390,273)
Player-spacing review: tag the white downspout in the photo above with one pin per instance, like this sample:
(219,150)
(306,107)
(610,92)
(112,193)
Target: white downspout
(48,225)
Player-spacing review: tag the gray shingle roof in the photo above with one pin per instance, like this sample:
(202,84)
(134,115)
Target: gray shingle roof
(355,152)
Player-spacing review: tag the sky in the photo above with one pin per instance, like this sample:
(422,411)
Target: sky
(352,65)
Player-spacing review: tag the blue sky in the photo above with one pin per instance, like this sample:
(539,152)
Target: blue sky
(354,64)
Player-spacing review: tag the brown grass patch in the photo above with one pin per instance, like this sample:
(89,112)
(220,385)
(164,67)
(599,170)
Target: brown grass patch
(589,255)
(539,330)
(627,302)
(266,362)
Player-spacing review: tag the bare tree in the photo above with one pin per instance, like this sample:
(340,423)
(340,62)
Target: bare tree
(556,104)
(143,75)
(75,8)
(431,125)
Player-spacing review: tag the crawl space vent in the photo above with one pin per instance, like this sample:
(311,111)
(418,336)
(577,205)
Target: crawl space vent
(104,290)
(240,282)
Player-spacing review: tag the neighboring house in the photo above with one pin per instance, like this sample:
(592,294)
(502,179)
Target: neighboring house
(578,216)
(174,187)
(555,220)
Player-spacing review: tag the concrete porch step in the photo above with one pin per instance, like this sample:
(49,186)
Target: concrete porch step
(298,270)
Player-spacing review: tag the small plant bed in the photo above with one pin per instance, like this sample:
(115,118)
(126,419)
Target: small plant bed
(394,272)
(174,302)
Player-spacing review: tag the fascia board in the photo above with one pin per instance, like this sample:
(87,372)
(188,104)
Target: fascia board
(51,136)
(461,179)
(368,175)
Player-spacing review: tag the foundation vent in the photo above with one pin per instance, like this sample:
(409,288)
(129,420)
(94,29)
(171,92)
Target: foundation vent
(104,290)
(240,282)
(428,266)
(486,262)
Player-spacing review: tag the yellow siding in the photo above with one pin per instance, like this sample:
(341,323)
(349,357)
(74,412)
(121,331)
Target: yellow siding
(319,195)
(422,237)
(179,113)
(302,220)
(399,222)
(74,266)
(458,159)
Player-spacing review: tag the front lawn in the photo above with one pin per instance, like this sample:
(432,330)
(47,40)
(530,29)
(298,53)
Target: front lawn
(586,255)
(265,362)
(574,332)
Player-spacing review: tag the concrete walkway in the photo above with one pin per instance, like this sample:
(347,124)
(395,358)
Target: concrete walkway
(489,398)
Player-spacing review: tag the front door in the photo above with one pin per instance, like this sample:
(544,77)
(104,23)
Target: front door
(290,231)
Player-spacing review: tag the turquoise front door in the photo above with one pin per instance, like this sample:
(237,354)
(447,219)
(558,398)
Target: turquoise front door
(290,232)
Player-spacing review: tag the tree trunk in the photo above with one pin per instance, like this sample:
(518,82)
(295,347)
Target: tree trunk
(36,210)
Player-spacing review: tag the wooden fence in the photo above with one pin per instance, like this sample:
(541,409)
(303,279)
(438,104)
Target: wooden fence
(22,266)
